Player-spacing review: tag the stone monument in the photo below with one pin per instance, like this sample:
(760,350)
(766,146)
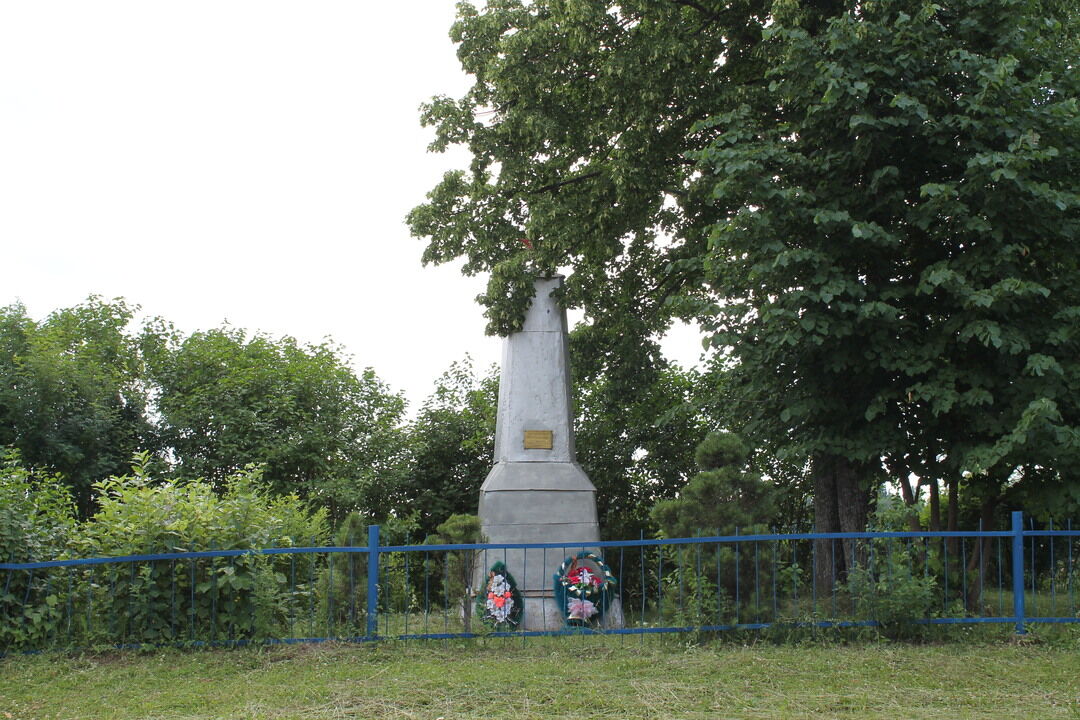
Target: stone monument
(536,492)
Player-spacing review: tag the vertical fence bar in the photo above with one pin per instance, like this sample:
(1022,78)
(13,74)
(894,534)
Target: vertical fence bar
(982,563)
(427,591)
(697,581)
(372,581)
(832,575)
(191,606)
(775,606)
(963,571)
(311,592)
(352,586)
(1001,584)
(405,588)
(172,601)
(1053,572)
(1034,596)
(50,635)
(620,594)
(644,593)
(1069,575)
(330,595)
(1018,570)
(70,603)
(757,584)
(292,595)
(737,599)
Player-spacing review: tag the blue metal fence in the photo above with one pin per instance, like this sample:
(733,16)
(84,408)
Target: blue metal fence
(895,580)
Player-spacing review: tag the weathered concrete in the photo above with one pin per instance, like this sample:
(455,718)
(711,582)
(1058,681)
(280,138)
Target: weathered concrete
(537,494)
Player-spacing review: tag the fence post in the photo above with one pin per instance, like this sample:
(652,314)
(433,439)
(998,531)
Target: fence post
(1018,570)
(373,581)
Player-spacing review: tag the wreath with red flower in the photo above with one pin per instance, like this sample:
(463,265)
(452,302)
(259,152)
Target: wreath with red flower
(584,586)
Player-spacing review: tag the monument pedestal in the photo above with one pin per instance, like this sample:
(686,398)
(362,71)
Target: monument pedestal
(538,502)
(536,492)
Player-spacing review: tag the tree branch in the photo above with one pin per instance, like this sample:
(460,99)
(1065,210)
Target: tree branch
(555,186)
(700,8)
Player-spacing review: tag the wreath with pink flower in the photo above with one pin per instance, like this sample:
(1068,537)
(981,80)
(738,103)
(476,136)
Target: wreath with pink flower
(584,586)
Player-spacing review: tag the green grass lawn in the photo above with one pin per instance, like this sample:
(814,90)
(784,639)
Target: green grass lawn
(589,677)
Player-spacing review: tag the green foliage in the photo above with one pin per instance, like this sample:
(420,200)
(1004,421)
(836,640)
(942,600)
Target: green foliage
(635,440)
(342,587)
(220,599)
(689,595)
(900,201)
(227,400)
(722,497)
(71,392)
(450,448)
(720,450)
(870,208)
(77,391)
(36,520)
(897,581)
(400,574)
(458,568)
(893,601)
(36,511)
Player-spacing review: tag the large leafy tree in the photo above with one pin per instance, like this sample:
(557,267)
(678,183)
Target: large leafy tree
(450,449)
(72,396)
(637,447)
(868,205)
(896,271)
(227,399)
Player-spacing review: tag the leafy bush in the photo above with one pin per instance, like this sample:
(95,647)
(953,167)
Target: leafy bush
(689,598)
(36,519)
(212,599)
(893,599)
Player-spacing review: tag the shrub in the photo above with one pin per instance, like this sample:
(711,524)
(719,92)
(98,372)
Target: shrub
(36,520)
(893,599)
(211,599)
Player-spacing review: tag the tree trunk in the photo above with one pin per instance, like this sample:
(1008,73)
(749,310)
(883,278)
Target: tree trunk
(909,500)
(935,506)
(841,504)
(828,554)
(853,502)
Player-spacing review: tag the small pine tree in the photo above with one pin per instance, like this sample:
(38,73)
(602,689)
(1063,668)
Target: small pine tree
(460,564)
(724,496)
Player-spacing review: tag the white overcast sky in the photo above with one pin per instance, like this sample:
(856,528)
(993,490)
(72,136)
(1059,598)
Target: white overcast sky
(237,161)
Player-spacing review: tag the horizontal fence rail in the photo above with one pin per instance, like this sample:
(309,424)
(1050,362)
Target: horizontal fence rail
(898,581)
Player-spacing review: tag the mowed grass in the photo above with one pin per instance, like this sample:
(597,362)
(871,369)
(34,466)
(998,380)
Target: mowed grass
(551,678)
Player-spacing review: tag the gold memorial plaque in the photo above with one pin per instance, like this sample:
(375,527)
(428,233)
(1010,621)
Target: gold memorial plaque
(538,439)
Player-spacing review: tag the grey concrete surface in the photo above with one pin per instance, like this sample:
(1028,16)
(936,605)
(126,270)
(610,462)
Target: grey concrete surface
(537,495)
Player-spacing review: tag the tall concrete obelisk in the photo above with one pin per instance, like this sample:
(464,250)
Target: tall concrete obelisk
(537,492)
